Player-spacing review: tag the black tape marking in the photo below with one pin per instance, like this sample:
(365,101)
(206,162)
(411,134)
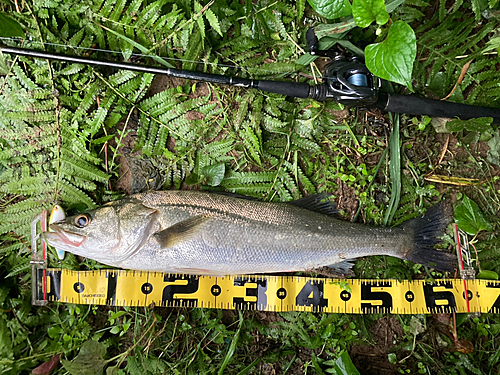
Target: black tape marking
(432,296)
(410,296)
(78,287)
(215,290)
(345,295)
(281,293)
(170,290)
(368,295)
(146,288)
(469,295)
(111,292)
(259,292)
(53,280)
(495,308)
(317,301)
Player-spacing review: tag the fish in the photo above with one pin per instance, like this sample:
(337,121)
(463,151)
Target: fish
(201,233)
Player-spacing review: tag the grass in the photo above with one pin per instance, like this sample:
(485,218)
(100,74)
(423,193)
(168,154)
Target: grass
(78,145)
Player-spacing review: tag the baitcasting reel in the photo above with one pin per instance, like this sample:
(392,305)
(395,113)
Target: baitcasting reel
(346,80)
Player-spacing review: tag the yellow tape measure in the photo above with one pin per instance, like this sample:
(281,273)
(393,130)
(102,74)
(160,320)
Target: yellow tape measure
(267,293)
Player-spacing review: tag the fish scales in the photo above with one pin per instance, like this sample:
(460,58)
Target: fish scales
(205,233)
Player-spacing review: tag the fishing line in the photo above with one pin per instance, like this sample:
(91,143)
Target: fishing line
(107,51)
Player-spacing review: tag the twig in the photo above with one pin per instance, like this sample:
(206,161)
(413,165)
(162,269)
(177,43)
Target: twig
(443,152)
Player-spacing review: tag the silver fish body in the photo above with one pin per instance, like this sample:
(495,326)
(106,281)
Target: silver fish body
(211,234)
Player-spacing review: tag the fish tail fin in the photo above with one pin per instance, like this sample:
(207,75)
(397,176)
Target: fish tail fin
(427,231)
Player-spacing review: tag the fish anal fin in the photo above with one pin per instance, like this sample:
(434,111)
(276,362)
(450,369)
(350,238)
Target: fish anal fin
(181,232)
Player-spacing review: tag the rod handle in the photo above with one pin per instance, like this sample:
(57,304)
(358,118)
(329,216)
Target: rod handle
(414,105)
(294,89)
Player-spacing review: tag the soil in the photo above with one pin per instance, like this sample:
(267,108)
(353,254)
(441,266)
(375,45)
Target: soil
(373,359)
(136,173)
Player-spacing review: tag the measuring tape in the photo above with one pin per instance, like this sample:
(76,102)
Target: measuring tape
(262,292)
(267,293)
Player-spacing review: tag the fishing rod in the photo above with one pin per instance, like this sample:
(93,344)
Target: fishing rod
(346,80)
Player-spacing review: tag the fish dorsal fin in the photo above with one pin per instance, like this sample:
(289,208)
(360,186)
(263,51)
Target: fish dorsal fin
(318,203)
(182,231)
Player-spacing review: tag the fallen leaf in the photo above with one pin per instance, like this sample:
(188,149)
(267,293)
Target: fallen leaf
(47,367)
(460,79)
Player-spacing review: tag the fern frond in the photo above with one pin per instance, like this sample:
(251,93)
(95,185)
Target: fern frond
(79,168)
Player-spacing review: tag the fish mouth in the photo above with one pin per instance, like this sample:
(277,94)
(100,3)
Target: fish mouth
(61,238)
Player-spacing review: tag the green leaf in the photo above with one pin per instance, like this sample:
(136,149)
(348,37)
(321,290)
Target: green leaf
(192,179)
(455,125)
(487,275)
(393,58)
(54,331)
(199,20)
(479,125)
(89,361)
(213,21)
(367,11)
(344,365)
(4,69)
(469,217)
(392,358)
(215,173)
(9,28)
(493,155)
(331,8)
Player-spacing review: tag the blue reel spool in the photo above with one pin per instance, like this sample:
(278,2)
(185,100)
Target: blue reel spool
(358,80)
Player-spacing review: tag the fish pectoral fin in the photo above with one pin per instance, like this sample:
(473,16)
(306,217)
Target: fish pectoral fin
(182,231)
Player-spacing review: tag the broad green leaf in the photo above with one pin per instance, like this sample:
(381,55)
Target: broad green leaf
(344,365)
(493,155)
(469,217)
(487,275)
(393,58)
(392,357)
(89,361)
(331,8)
(480,125)
(214,173)
(455,125)
(367,11)
(9,28)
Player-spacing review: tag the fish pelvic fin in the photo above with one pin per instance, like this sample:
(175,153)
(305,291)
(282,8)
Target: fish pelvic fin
(427,231)
(182,231)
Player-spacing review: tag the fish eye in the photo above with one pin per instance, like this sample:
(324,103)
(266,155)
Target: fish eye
(82,220)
